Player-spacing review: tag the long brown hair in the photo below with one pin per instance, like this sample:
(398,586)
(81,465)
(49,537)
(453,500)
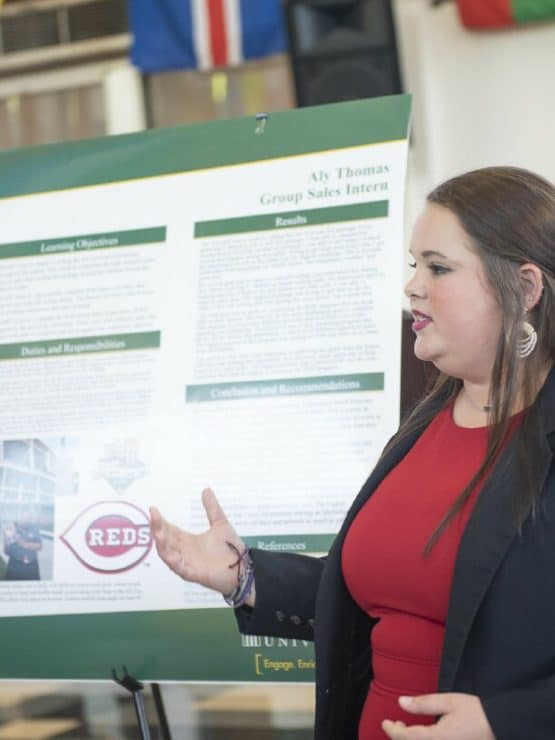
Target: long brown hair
(509,214)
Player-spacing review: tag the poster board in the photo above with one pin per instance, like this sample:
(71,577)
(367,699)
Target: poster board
(213,304)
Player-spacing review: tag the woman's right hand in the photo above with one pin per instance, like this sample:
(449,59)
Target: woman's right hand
(206,558)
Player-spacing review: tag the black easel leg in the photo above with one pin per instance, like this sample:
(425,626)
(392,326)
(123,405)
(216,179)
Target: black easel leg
(136,689)
(161,711)
(141,715)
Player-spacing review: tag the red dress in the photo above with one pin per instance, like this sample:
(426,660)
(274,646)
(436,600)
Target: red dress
(388,576)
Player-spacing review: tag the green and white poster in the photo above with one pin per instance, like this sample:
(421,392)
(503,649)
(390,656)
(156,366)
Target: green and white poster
(210,305)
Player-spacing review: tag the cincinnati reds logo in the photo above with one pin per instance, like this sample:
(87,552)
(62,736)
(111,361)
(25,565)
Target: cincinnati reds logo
(110,536)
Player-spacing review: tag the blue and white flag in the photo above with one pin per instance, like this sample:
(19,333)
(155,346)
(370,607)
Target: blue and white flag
(180,34)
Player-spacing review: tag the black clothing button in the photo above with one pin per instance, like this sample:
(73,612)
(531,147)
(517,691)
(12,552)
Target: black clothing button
(280,616)
(295,620)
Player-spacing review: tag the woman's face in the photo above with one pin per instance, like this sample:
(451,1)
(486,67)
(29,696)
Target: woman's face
(457,319)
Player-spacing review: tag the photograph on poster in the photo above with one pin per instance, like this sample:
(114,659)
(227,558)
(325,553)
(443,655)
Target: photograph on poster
(33,472)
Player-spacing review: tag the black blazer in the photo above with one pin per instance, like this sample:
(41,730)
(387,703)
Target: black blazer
(500,632)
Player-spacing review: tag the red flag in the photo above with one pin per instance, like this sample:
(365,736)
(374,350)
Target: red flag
(486,13)
(489,14)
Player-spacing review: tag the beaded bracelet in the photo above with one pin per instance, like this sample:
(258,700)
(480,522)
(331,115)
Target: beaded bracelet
(245,579)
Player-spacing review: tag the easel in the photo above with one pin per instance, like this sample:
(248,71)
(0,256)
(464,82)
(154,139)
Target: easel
(136,689)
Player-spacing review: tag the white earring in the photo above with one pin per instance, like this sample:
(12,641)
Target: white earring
(525,346)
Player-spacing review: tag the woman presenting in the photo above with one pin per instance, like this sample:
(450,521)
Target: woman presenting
(433,615)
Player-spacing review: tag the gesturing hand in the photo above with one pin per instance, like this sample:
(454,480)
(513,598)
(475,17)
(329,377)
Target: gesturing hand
(462,718)
(202,558)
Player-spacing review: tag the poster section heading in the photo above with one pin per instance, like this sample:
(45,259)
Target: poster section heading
(285,387)
(311,217)
(80,345)
(84,243)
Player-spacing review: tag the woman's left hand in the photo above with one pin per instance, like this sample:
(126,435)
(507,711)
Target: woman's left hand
(462,718)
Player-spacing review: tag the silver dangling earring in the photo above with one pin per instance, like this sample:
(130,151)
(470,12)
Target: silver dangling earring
(525,346)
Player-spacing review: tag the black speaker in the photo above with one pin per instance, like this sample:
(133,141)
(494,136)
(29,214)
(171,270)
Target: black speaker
(342,49)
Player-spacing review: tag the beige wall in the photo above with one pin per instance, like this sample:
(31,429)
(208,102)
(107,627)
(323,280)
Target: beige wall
(481,98)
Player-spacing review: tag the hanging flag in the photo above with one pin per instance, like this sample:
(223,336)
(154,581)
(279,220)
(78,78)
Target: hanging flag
(181,34)
(503,13)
